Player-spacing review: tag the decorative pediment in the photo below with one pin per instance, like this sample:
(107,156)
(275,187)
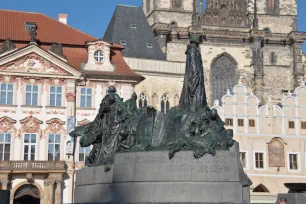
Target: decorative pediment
(33,63)
(83,122)
(31,124)
(7,123)
(33,60)
(55,125)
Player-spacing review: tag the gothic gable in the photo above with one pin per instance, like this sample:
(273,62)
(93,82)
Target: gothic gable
(225,13)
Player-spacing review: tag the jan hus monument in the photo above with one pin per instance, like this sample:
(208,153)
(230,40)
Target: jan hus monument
(145,156)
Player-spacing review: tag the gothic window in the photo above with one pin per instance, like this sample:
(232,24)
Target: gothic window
(273,58)
(176,3)
(143,101)
(223,76)
(165,105)
(148,3)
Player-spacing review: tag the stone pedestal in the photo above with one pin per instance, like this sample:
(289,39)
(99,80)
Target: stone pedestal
(150,177)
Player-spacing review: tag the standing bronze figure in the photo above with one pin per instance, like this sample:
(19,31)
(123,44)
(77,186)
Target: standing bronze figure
(193,94)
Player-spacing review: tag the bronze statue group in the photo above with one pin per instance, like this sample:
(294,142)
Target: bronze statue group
(121,126)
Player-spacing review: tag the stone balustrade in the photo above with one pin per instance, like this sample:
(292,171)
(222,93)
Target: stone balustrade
(32,166)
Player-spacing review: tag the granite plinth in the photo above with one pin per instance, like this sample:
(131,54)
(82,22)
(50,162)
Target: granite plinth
(150,177)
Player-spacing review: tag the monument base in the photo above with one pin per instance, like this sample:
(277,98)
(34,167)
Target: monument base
(150,177)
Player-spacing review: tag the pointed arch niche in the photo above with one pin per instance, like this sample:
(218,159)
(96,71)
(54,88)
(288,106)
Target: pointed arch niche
(222,75)
(261,189)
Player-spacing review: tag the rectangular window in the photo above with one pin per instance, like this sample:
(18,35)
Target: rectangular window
(55,96)
(229,121)
(54,147)
(293,159)
(251,123)
(6,95)
(29,26)
(84,152)
(32,95)
(133,26)
(123,42)
(240,122)
(243,159)
(86,97)
(259,160)
(29,145)
(303,125)
(291,124)
(5,146)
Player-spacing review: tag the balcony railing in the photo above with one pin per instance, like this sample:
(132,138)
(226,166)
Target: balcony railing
(31,166)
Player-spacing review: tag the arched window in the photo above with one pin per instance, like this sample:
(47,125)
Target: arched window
(223,76)
(164,104)
(143,101)
(261,189)
(154,101)
(176,100)
(148,4)
(176,3)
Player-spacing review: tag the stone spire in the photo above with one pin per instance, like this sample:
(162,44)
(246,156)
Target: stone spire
(195,13)
(255,21)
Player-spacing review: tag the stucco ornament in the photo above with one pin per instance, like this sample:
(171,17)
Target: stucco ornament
(31,124)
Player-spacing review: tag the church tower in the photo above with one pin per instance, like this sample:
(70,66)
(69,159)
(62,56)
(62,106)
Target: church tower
(163,15)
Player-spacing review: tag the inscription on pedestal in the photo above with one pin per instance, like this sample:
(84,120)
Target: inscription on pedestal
(155,166)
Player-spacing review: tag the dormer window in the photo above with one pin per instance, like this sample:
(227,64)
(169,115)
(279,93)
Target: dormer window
(29,26)
(123,42)
(133,26)
(99,56)
(149,45)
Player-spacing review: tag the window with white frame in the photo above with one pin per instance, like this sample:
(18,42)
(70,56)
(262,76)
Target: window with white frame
(259,160)
(99,56)
(6,95)
(32,95)
(5,146)
(54,147)
(29,147)
(293,161)
(84,152)
(243,159)
(55,96)
(86,97)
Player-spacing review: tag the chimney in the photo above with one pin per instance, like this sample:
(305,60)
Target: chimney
(63,18)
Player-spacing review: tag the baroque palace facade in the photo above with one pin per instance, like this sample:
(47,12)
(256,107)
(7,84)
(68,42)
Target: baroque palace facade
(54,78)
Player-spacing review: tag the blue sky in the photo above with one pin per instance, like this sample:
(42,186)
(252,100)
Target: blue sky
(93,16)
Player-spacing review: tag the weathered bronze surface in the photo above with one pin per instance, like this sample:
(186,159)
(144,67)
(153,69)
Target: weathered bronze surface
(121,126)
